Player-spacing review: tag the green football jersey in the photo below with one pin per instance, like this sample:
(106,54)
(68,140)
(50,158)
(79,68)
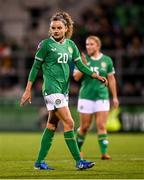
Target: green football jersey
(93,89)
(55,59)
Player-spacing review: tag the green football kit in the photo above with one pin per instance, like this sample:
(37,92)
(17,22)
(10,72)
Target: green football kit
(55,59)
(93,89)
(94,95)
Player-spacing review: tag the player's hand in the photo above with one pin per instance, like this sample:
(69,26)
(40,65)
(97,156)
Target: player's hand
(83,56)
(115,102)
(104,80)
(26,98)
(100,78)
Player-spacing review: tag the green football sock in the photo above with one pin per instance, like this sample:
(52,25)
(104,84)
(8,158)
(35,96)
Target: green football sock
(46,142)
(80,140)
(72,145)
(103,143)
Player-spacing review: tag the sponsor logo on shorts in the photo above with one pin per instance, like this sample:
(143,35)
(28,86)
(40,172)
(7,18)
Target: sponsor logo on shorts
(57,101)
(81,107)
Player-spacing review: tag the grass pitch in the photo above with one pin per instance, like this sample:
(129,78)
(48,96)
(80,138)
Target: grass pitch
(19,150)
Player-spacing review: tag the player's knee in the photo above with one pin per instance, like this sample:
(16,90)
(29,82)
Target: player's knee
(85,128)
(68,124)
(51,126)
(101,127)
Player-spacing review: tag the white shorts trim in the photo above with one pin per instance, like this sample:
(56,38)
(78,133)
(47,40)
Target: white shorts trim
(89,106)
(57,100)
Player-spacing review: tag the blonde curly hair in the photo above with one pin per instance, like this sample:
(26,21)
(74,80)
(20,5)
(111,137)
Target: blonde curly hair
(66,19)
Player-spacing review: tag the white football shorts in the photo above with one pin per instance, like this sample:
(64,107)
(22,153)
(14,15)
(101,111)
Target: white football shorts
(90,107)
(57,100)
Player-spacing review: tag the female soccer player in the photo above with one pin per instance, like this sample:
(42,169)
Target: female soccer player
(54,56)
(94,95)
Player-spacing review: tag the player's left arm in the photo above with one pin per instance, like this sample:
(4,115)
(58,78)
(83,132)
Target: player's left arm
(113,89)
(112,82)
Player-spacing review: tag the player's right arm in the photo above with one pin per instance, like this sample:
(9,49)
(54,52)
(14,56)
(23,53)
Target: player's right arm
(39,58)
(26,97)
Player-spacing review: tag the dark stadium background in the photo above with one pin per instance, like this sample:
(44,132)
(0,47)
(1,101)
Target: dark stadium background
(24,23)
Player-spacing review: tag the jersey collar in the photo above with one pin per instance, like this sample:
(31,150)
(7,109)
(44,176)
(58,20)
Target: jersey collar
(57,41)
(97,58)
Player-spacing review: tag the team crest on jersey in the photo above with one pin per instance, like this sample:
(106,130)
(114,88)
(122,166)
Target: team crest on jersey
(103,64)
(57,101)
(70,49)
(88,63)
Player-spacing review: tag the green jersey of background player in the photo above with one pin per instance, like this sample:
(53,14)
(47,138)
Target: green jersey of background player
(93,89)
(54,56)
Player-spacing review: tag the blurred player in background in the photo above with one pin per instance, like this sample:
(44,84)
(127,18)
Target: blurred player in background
(54,56)
(94,95)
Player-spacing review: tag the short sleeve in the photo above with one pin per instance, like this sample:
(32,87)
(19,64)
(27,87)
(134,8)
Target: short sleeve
(41,51)
(111,69)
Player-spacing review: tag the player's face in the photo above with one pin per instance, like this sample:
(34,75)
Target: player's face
(92,47)
(58,30)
